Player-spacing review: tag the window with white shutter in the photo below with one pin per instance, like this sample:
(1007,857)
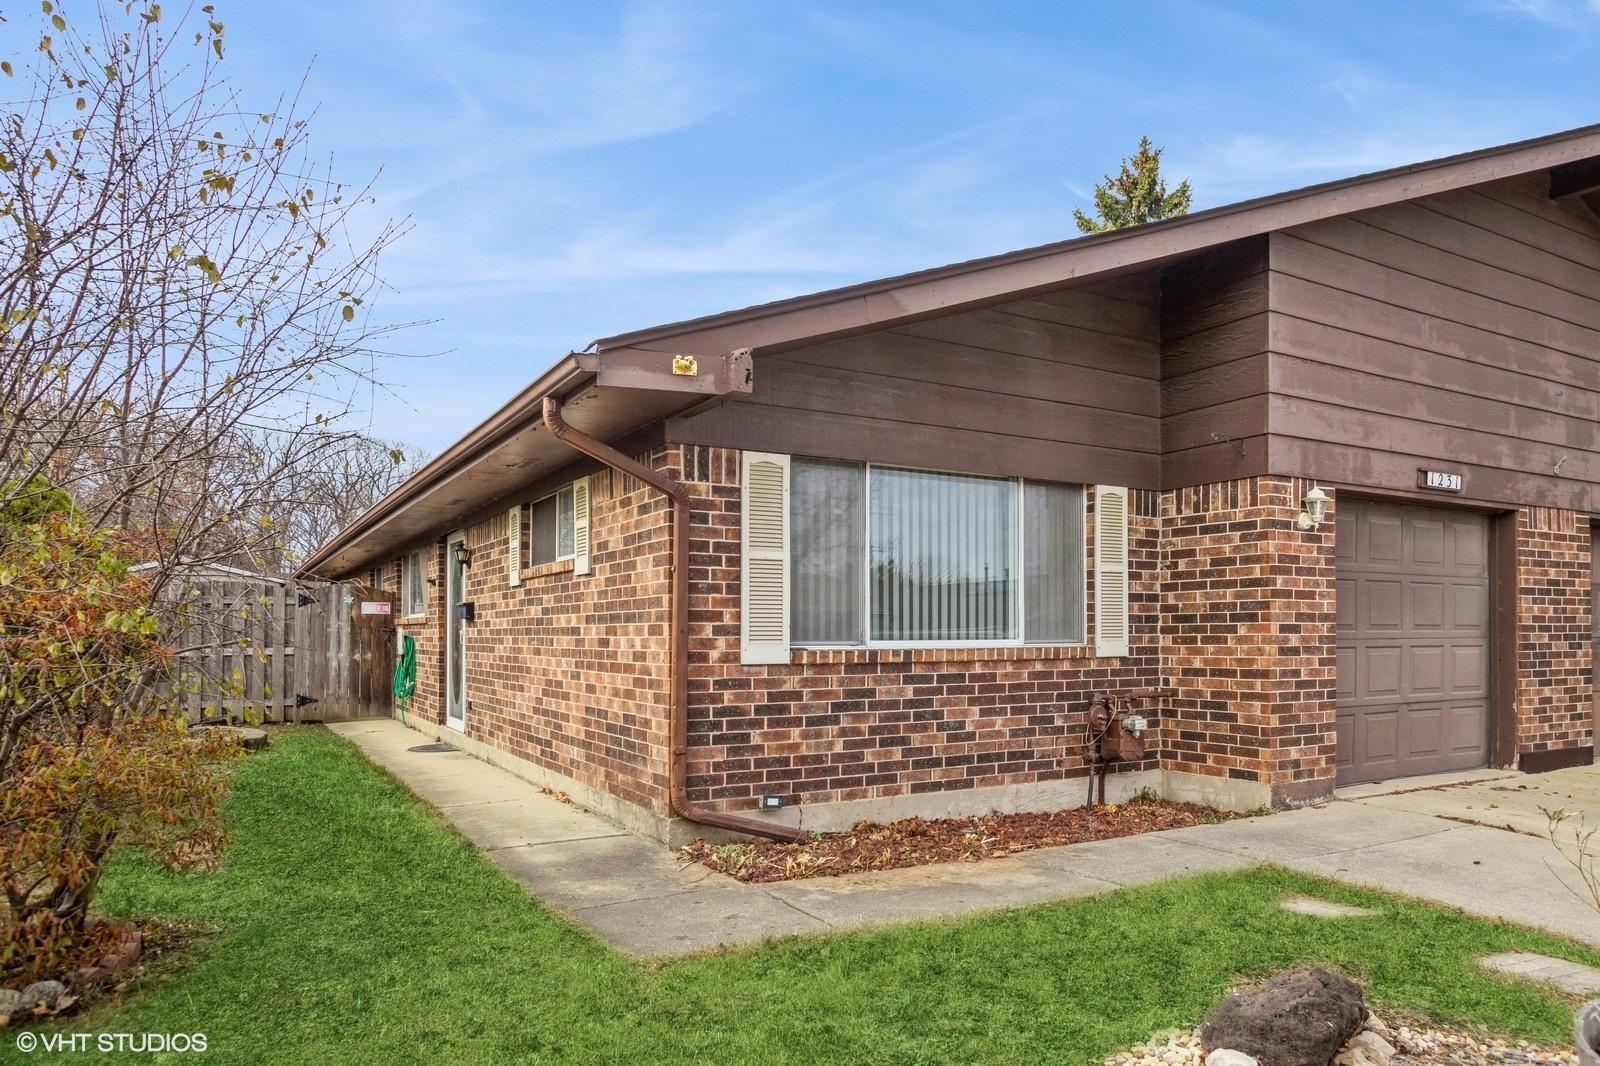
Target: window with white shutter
(764,620)
(580,526)
(558,527)
(1110,570)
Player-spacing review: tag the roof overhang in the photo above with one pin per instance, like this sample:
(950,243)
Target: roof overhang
(1017,275)
(512,449)
(633,379)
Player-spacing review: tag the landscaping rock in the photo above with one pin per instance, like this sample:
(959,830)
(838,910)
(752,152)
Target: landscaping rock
(10,1002)
(45,992)
(1226,1056)
(1354,1057)
(1298,1018)
(129,949)
(1434,1046)
(1377,1050)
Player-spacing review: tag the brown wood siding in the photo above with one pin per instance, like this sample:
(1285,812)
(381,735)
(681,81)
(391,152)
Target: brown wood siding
(1062,386)
(1214,365)
(1457,332)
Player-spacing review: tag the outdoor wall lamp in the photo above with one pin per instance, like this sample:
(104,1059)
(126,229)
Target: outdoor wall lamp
(463,556)
(1316,509)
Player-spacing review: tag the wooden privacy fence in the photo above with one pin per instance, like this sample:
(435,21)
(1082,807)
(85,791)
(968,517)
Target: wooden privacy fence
(259,648)
(346,654)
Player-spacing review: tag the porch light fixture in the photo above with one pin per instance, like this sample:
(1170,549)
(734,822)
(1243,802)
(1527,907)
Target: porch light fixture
(463,555)
(1316,509)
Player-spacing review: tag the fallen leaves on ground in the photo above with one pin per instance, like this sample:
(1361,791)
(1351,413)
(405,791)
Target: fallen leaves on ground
(923,842)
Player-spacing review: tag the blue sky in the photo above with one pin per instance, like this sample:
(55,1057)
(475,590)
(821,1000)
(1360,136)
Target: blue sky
(576,170)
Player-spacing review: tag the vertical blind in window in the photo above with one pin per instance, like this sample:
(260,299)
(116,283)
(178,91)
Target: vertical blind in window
(946,561)
(415,598)
(1052,530)
(827,544)
(565,539)
(551,537)
(943,556)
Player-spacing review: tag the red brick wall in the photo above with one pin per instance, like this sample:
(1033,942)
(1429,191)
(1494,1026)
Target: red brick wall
(567,671)
(1554,641)
(1247,616)
(852,724)
(1230,603)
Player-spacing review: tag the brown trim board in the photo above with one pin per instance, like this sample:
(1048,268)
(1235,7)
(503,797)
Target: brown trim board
(1503,639)
(1540,762)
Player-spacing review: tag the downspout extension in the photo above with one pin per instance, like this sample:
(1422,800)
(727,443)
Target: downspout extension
(678,635)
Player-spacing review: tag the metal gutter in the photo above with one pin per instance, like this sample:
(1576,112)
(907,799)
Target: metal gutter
(678,634)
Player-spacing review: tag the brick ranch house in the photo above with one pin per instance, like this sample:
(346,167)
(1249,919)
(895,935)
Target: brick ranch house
(872,550)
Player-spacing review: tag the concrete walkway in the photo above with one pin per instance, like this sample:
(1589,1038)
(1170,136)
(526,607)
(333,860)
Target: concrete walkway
(1473,841)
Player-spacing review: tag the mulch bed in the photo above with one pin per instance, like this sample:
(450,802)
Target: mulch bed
(923,842)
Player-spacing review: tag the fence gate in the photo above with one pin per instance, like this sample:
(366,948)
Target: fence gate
(344,652)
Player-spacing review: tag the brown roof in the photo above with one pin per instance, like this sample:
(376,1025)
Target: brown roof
(511,449)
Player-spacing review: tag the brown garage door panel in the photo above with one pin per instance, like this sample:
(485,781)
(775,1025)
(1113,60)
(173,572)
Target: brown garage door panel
(1391,740)
(1388,672)
(1413,588)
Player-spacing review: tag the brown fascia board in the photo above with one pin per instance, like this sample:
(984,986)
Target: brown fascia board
(1015,275)
(514,416)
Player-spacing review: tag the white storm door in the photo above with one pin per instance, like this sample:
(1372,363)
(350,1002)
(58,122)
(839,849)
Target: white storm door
(455,635)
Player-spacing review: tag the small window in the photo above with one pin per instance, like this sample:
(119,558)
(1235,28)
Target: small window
(375,578)
(551,533)
(415,600)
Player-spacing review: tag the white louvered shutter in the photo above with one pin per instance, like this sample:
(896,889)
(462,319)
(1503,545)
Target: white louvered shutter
(580,526)
(764,582)
(514,545)
(1110,570)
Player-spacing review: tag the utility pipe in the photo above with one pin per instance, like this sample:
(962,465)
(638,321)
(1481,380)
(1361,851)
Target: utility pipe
(678,635)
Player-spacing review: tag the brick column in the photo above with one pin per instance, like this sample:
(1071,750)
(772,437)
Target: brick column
(1555,712)
(1248,640)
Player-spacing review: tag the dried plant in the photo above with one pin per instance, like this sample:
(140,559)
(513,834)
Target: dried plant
(1578,852)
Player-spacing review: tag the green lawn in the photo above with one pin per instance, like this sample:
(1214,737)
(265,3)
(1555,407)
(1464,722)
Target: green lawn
(356,927)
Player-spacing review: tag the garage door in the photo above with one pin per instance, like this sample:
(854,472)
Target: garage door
(1413,587)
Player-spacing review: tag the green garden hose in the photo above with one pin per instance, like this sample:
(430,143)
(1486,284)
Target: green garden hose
(405,675)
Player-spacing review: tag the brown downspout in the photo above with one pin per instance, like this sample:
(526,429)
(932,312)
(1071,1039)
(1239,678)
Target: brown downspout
(678,637)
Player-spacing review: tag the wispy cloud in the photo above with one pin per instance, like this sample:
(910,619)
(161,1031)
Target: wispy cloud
(1567,14)
(474,107)
(1359,87)
(1249,165)
(1543,10)
(900,209)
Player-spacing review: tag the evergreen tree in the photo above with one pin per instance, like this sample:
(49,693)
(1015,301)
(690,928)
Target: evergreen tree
(1135,196)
